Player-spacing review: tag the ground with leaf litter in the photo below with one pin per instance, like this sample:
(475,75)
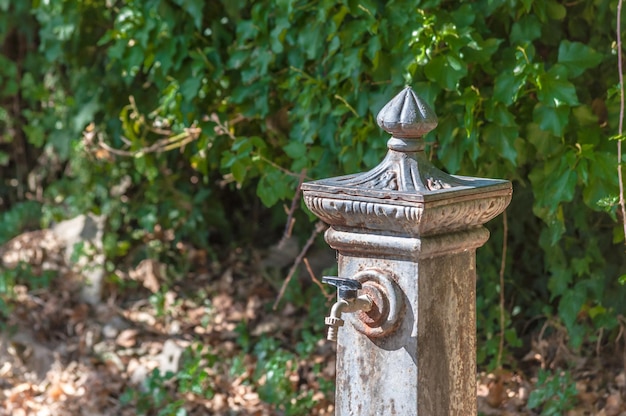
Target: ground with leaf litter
(212,344)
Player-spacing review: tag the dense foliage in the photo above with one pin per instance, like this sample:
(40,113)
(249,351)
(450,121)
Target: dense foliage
(181,115)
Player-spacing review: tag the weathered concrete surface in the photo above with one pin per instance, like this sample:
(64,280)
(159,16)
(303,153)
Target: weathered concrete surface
(427,367)
(447,335)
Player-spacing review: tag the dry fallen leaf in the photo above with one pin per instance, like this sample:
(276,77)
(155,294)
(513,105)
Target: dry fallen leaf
(127,338)
(613,404)
(496,393)
(149,272)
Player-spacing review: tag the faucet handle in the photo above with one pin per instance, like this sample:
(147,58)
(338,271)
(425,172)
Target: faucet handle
(347,288)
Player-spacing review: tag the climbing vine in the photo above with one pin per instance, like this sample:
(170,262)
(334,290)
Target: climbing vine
(183,114)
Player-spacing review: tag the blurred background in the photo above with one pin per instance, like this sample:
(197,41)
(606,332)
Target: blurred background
(157,258)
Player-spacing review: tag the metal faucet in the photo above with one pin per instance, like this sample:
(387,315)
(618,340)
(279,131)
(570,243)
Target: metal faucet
(349,301)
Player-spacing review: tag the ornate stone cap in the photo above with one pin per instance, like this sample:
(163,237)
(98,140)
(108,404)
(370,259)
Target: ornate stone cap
(406,115)
(406,194)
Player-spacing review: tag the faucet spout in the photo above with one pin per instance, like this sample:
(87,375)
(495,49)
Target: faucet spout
(334,321)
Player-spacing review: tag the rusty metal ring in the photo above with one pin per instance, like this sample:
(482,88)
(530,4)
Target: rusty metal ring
(386,296)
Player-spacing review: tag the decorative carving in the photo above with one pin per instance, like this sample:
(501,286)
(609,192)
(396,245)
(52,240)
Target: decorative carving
(435,184)
(405,172)
(387,181)
(405,194)
(462,215)
(406,115)
(406,220)
(371,215)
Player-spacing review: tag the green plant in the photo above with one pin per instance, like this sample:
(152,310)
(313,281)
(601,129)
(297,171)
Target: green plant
(152,396)
(275,371)
(193,376)
(554,394)
(158,302)
(274,364)
(7,282)
(22,216)
(160,392)
(196,119)
(20,274)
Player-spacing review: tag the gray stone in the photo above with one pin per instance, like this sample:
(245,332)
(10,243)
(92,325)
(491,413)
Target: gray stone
(87,230)
(169,358)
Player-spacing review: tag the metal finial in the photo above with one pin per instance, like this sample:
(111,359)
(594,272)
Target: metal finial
(407,116)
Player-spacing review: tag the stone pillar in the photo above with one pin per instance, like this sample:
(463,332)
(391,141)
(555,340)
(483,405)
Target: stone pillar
(408,233)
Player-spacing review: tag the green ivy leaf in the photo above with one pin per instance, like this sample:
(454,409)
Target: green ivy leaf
(526,29)
(277,35)
(541,139)
(239,170)
(585,117)
(507,87)
(555,89)
(145,165)
(502,138)
(602,178)
(446,71)
(554,183)
(498,113)
(35,133)
(559,281)
(310,41)
(273,187)
(552,119)
(295,150)
(4,158)
(481,51)
(194,9)
(570,305)
(562,183)
(555,10)
(577,57)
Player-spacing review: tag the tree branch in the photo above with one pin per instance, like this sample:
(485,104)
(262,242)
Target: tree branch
(622,204)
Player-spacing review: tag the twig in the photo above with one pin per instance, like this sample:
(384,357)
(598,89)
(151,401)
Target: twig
(319,227)
(292,210)
(163,145)
(622,204)
(347,104)
(621,330)
(622,324)
(505,233)
(315,280)
(114,151)
(277,166)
